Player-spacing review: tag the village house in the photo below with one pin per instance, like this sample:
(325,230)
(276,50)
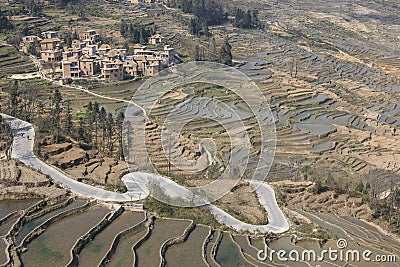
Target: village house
(78,44)
(113,71)
(49,35)
(29,42)
(51,44)
(104,48)
(90,37)
(131,68)
(153,66)
(88,66)
(70,69)
(51,55)
(89,50)
(156,39)
(168,55)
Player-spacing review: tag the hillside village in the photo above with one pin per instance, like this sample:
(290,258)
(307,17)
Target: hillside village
(88,57)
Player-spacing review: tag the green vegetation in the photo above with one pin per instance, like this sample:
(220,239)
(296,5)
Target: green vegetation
(93,128)
(199,215)
(388,209)
(226,53)
(5,24)
(210,12)
(135,33)
(198,27)
(246,20)
(309,231)
(11,62)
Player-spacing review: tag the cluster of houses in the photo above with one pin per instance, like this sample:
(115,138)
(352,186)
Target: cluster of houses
(88,57)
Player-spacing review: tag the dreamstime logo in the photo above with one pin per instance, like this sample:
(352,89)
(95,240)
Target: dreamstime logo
(341,243)
(338,254)
(149,99)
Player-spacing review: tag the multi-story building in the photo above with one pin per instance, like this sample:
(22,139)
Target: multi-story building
(113,71)
(51,44)
(70,69)
(88,66)
(131,68)
(156,39)
(51,55)
(90,37)
(29,42)
(49,34)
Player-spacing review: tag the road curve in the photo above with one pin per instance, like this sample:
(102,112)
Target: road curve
(22,150)
(137,185)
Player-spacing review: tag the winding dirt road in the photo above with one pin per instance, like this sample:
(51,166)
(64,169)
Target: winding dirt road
(137,184)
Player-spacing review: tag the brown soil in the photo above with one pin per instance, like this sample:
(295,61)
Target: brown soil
(244,204)
(19,181)
(299,195)
(86,165)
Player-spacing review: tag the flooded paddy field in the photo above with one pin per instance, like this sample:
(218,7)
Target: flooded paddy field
(53,246)
(7,224)
(124,254)
(95,250)
(27,228)
(209,248)
(10,206)
(3,256)
(352,245)
(228,253)
(257,242)
(249,251)
(148,252)
(190,251)
(331,72)
(368,235)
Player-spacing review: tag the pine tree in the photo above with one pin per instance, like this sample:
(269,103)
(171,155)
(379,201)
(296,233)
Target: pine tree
(214,53)
(13,104)
(119,126)
(102,120)
(68,118)
(56,115)
(75,36)
(197,54)
(81,130)
(226,53)
(109,133)
(96,112)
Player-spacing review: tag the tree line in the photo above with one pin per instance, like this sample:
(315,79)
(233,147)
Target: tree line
(211,12)
(247,20)
(223,54)
(208,11)
(136,33)
(5,23)
(94,128)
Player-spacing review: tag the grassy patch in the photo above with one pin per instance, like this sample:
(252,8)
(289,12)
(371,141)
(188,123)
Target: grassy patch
(199,215)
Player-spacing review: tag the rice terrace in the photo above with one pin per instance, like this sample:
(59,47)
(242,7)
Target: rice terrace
(199,133)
